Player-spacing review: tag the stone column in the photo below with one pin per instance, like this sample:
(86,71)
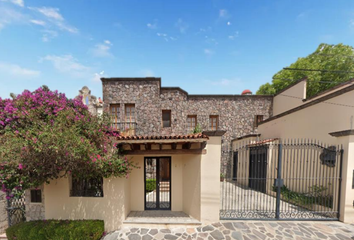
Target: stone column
(34,211)
(346,211)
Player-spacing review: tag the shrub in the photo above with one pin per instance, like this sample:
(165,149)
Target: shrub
(150,185)
(57,230)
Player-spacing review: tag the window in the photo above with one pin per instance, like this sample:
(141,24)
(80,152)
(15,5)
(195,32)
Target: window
(115,115)
(36,196)
(191,122)
(166,118)
(130,113)
(257,120)
(89,187)
(213,122)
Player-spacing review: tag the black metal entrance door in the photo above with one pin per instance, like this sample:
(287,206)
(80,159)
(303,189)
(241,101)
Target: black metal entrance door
(293,179)
(258,168)
(157,174)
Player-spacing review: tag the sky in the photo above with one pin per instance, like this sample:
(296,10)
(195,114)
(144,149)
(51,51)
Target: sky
(202,46)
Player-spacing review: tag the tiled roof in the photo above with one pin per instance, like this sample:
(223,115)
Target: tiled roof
(189,136)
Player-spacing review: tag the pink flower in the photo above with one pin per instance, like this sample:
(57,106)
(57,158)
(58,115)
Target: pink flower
(20,166)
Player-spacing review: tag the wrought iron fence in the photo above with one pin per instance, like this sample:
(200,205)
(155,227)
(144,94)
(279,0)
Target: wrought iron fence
(16,210)
(293,179)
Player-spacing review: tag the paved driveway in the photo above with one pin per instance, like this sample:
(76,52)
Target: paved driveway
(245,230)
(240,202)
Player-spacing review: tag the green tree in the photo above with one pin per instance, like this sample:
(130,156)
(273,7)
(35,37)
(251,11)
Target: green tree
(326,57)
(44,136)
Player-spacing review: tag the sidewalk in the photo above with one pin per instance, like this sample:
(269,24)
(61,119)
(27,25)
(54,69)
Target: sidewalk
(245,230)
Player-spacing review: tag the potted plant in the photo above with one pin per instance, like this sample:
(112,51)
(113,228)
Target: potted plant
(222,177)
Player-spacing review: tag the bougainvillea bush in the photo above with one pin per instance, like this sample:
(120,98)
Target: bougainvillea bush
(44,135)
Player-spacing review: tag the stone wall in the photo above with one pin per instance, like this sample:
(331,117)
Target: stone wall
(34,211)
(236,112)
(3,213)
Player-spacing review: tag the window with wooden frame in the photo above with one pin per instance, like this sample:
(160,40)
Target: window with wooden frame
(213,122)
(130,113)
(191,122)
(166,118)
(257,120)
(115,115)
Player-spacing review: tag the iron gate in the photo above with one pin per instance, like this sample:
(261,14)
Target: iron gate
(16,210)
(293,179)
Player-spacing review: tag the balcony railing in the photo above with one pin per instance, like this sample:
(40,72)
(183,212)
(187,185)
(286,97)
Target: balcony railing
(125,128)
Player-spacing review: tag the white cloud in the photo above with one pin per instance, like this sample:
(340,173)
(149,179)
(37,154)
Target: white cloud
(68,64)
(10,16)
(48,35)
(208,52)
(235,35)
(182,26)
(54,16)
(38,22)
(228,23)
(52,13)
(223,13)
(16,70)
(16,2)
(224,82)
(152,25)
(102,49)
(97,76)
(166,37)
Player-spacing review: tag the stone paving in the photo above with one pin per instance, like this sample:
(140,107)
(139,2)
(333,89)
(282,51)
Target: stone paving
(238,230)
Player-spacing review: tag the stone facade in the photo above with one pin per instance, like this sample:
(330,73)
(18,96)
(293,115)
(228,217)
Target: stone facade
(34,211)
(3,213)
(236,113)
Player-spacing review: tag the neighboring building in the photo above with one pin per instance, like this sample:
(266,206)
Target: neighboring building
(94,105)
(317,139)
(140,106)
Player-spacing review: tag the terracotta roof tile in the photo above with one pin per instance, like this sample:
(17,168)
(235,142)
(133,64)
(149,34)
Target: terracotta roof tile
(189,136)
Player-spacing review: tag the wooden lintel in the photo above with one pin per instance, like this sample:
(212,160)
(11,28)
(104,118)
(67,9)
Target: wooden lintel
(166,151)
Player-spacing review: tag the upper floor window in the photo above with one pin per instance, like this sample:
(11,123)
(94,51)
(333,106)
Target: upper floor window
(257,120)
(87,187)
(213,122)
(115,115)
(130,113)
(191,122)
(166,118)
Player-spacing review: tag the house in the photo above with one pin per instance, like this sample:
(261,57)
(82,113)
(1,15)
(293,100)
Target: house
(257,141)
(179,170)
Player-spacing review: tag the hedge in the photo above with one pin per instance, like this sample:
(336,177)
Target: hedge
(150,185)
(57,230)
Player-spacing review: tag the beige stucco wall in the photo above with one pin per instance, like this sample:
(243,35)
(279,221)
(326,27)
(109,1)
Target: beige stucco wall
(313,122)
(210,181)
(195,190)
(290,98)
(112,208)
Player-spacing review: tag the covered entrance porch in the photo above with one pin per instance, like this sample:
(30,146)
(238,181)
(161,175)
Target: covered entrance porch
(173,172)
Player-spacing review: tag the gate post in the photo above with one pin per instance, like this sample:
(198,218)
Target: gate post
(278,181)
(8,209)
(346,210)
